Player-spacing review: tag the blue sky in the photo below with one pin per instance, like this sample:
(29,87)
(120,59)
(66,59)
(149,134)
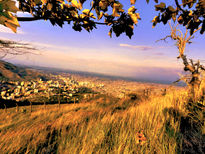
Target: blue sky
(139,57)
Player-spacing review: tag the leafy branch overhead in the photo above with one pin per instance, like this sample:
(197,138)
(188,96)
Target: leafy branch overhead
(190,13)
(7,9)
(87,14)
(59,12)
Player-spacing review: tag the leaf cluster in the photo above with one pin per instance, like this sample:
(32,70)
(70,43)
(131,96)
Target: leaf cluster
(7,8)
(81,15)
(59,12)
(190,13)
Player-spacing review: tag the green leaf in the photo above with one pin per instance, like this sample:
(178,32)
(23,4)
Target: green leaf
(11,6)
(1,7)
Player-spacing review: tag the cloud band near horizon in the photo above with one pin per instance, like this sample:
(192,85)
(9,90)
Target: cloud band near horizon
(139,47)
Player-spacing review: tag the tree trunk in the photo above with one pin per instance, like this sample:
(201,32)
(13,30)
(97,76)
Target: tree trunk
(17,107)
(5,107)
(31,106)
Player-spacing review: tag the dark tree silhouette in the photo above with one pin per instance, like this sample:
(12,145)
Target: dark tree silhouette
(111,13)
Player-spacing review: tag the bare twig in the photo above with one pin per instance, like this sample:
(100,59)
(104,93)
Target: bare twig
(164,39)
(8,47)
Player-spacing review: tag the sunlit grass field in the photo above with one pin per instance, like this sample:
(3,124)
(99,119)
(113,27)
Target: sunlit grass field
(103,124)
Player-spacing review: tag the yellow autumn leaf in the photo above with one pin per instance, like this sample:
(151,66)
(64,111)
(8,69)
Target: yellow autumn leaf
(131,26)
(62,5)
(190,13)
(86,11)
(44,1)
(131,9)
(82,16)
(110,33)
(93,17)
(103,4)
(49,6)
(80,5)
(2,20)
(75,4)
(137,15)
(85,22)
(11,26)
(117,7)
(132,1)
(115,13)
(154,19)
(106,14)
(100,15)
(134,18)
(13,21)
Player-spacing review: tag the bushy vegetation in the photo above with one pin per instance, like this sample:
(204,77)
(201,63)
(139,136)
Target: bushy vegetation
(156,124)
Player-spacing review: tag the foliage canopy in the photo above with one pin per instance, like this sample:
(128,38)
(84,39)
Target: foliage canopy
(189,13)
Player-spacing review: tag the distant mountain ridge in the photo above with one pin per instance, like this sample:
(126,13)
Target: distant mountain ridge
(12,72)
(57,71)
(29,72)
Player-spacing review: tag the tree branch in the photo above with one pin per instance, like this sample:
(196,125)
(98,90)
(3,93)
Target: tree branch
(8,47)
(177,3)
(29,18)
(40,18)
(164,39)
(190,37)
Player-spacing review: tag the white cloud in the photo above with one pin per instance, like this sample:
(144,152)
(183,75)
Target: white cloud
(139,47)
(47,46)
(23,14)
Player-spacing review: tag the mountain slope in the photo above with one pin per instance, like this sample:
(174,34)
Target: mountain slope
(9,71)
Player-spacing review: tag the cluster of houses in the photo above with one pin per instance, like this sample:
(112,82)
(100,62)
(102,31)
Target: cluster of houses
(14,90)
(64,86)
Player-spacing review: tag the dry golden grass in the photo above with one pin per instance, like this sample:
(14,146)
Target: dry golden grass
(103,125)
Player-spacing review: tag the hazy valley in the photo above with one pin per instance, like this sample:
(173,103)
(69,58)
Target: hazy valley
(71,113)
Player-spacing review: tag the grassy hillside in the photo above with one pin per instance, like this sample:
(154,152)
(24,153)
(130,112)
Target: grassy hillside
(105,124)
(9,71)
